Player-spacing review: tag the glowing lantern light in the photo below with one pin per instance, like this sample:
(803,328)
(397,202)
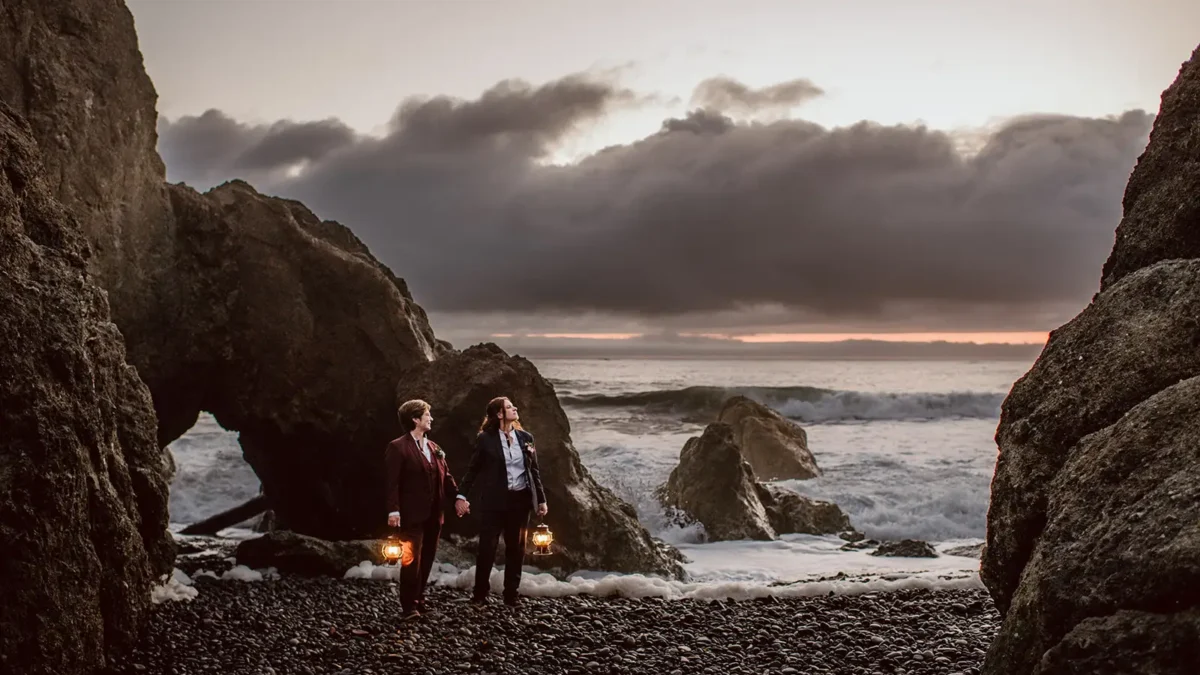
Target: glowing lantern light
(542,538)
(395,550)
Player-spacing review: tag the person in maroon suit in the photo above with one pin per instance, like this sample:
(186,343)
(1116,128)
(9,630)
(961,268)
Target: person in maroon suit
(418,485)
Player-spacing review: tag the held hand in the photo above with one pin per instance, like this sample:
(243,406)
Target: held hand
(393,521)
(542,509)
(462,507)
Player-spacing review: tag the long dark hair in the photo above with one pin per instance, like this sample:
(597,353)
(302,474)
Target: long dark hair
(491,419)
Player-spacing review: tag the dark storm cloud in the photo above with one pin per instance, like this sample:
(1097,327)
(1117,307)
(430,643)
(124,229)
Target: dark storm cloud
(727,94)
(700,122)
(511,111)
(210,147)
(853,224)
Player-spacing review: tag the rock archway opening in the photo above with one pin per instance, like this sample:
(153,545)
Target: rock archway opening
(260,475)
(212,477)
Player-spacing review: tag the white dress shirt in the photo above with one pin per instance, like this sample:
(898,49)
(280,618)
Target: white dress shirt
(423,444)
(514,461)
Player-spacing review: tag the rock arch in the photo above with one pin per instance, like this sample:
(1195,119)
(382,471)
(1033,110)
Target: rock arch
(294,337)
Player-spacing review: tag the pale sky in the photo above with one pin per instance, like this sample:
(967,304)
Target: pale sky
(953,65)
(948,63)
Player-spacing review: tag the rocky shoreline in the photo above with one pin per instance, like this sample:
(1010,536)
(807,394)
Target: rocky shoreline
(321,625)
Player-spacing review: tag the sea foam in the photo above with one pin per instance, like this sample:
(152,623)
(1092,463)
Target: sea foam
(637,586)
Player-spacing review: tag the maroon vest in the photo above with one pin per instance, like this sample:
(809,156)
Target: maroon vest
(431,474)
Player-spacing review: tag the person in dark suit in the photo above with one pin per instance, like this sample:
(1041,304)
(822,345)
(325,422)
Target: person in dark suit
(418,485)
(504,468)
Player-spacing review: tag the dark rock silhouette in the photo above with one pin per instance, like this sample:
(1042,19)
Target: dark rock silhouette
(83,483)
(1093,544)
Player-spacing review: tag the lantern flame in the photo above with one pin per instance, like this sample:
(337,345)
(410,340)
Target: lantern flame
(542,538)
(397,550)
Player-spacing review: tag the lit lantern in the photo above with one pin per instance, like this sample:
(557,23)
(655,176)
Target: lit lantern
(542,538)
(395,550)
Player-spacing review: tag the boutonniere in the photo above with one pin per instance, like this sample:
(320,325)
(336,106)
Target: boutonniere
(438,451)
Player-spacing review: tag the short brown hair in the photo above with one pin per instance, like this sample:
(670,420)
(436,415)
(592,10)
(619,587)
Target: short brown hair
(412,410)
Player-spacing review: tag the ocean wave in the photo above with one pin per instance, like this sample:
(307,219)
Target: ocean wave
(804,404)
(211,474)
(639,586)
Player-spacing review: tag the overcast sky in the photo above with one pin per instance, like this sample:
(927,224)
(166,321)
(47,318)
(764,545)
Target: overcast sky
(711,168)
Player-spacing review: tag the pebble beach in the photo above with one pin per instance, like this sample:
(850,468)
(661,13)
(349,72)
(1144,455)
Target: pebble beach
(343,626)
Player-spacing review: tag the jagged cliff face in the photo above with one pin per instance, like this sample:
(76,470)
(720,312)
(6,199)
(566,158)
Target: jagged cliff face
(83,483)
(1093,545)
(73,70)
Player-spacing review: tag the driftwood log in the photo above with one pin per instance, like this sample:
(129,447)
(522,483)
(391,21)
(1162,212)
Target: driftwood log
(238,514)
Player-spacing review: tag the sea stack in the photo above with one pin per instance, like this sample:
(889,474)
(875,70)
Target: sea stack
(715,485)
(775,447)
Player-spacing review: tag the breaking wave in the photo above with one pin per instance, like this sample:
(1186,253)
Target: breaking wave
(804,404)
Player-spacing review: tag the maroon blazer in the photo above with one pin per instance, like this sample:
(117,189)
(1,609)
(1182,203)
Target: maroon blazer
(415,487)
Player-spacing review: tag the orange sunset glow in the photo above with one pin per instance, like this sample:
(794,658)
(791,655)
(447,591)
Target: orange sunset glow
(580,336)
(1027,337)
(978,338)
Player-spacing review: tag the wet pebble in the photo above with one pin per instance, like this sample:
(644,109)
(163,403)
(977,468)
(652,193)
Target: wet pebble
(294,625)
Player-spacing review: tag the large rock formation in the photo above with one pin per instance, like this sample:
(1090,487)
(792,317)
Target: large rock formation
(281,325)
(73,69)
(83,483)
(593,528)
(296,338)
(716,486)
(775,447)
(1093,546)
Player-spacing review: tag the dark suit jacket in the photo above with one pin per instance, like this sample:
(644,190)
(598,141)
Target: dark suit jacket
(415,487)
(488,472)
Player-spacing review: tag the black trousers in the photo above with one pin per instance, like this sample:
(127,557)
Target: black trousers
(424,540)
(512,522)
